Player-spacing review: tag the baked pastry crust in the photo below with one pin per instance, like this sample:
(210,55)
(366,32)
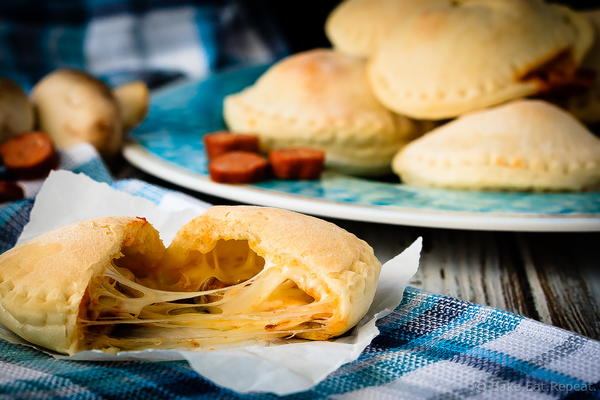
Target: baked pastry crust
(522,145)
(357,27)
(318,255)
(586,106)
(471,54)
(321,99)
(43,282)
(311,271)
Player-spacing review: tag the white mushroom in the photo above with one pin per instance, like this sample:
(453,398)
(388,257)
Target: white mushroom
(73,107)
(133,99)
(16,112)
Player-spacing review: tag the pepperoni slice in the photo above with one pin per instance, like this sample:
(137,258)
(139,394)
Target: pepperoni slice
(29,155)
(222,142)
(238,167)
(10,191)
(297,163)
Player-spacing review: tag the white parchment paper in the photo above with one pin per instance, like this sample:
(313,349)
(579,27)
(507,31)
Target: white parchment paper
(282,369)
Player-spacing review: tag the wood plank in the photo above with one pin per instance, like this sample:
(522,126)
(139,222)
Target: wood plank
(554,281)
(568,268)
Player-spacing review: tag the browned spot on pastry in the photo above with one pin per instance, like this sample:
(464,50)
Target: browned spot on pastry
(500,161)
(517,163)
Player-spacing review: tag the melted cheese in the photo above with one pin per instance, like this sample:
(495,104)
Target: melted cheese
(243,300)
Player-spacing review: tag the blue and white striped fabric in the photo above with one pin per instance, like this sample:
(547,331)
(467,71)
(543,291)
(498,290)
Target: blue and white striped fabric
(430,347)
(156,40)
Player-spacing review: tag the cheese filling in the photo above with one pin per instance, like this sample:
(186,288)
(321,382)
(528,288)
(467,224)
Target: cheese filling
(236,297)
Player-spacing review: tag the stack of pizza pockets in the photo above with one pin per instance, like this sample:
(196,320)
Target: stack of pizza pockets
(321,99)
(422,63)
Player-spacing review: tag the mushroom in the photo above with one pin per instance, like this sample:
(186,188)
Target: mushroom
(73,107)
(133,99)
(16,112)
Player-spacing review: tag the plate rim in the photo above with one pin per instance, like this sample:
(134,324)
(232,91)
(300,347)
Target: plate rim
(140,157)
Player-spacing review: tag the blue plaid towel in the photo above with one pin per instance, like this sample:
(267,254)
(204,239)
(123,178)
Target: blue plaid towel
(156,41)
(430,347)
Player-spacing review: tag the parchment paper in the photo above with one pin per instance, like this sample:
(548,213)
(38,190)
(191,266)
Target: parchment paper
(282,369)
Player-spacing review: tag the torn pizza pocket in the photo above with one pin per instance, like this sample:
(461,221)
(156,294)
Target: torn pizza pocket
(232,275)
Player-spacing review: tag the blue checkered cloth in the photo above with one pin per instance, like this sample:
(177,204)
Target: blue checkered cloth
(122,40)
(430,347)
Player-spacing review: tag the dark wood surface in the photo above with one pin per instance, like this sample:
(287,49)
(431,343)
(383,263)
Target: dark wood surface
(550,277)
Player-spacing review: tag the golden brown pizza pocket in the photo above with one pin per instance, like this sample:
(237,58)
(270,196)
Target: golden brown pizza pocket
(472,54)
(522,145)
(321,99)
(358,26)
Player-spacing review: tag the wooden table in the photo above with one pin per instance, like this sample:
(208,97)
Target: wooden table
(551,277)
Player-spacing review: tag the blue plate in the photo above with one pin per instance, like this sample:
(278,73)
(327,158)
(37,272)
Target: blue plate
(169,145)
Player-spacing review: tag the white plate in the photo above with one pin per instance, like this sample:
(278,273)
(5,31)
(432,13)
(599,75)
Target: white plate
(156,166)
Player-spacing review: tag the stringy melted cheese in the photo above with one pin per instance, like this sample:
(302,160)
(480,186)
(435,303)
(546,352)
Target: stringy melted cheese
(239,298)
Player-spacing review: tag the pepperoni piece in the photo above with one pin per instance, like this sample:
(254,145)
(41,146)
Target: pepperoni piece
(29,155)
(222,142)
(297,163)
(10,191)
(238,167)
